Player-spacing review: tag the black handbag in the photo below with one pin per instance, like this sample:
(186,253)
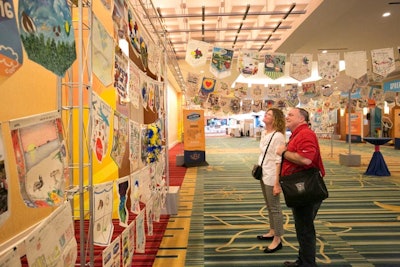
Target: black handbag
(304,187)
(256,172)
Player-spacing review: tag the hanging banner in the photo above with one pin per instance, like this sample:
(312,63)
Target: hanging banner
(4,182)
(221,62)
(248,62)
(140,232)
(10,42)
(120,133)
(111,255)
(192,84)
(194,137)
(47,33)
(257,91)
(383,61)
(274,65)
(328,66)
(356,63)
(102,53)
(291,94)
(53,242)
(241,90)
(100,126)
(196,53)
(300,66)
(41,158)
(123,187)
(103,209)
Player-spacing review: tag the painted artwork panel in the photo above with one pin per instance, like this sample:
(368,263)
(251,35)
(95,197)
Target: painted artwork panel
(100,126)
(120,137)
(121,75)
(123,186)
(10,258)
(47,34)
(134,85)
(102,52)
(140,232)
(248,61)
(328,66)
(103,208)
(53,242)
(135,192)
(196,53)
(274,65)
(300,66)
(112,253)
(4,183)
(134,144)
(11,55)
(41,159)
(128,244)
(383,61)
(221,62)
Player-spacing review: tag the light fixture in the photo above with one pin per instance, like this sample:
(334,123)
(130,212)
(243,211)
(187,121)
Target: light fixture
(386,14)
(386,108)
(124,46)
(342,111)
(365,110)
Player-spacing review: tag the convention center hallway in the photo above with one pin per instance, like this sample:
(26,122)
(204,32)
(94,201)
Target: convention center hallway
(221,211)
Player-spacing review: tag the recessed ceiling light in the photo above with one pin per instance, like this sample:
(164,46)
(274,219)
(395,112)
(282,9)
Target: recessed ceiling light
(386,14)
(324,51)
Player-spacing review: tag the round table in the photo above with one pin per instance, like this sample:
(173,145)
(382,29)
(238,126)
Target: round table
(377,166)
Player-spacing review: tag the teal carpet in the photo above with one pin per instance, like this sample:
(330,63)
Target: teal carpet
(358,225)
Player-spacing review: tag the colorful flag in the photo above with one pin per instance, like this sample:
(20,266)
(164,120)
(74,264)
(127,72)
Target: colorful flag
(248,62)
(196,53)
(47,34)
(300,66)
(10,42)
(274,65)
(328,66)
(221,62)
(41,158)
(383,61)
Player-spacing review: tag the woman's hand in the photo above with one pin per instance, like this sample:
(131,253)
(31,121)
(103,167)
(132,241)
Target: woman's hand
(277,190)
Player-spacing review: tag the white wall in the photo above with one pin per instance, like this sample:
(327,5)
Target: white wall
(173,115)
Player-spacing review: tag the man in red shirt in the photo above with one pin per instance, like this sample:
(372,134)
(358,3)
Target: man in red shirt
(302,152)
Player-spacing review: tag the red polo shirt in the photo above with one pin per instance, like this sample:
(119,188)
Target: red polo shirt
(305,142)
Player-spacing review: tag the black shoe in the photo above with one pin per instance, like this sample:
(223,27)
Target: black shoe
(291,263)
(278,247)
(262,237)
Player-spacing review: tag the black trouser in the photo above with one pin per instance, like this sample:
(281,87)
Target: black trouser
(304,222)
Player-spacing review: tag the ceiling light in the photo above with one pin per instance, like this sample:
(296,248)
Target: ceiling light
(324,51)
(386,14)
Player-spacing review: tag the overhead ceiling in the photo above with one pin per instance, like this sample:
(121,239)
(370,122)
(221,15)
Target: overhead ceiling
(303,26)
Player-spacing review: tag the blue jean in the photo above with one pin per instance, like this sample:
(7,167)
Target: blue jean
(305,231)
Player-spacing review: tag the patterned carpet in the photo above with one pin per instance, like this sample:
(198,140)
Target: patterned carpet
(358,225)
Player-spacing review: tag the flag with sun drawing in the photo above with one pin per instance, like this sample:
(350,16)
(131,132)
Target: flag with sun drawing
(47,34)
(40,155)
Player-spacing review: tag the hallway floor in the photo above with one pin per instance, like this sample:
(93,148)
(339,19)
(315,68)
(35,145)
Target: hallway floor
(221,211)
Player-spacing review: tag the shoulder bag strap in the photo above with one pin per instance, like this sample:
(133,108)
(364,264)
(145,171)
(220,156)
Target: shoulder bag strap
(265,153)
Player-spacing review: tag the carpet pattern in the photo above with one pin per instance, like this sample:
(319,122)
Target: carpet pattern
(358,225)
